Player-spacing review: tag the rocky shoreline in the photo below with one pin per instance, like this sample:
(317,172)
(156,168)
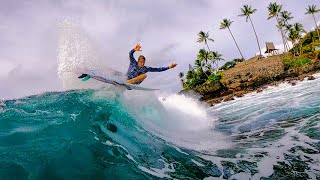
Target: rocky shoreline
(292,80)
(253,75)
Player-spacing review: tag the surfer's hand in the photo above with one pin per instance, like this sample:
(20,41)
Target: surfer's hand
(137,48)
(172,65)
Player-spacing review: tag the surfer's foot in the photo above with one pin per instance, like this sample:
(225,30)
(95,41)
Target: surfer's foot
(82,76)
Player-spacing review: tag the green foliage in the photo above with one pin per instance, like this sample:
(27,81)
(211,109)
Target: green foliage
(215,77)
(301,62)
(289,63)
(231,64)
(238,60)
(226,23)
(195,78)
(306,49)
(227,65)
(247,11)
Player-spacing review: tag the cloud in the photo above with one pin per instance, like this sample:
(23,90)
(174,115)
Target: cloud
(166,29)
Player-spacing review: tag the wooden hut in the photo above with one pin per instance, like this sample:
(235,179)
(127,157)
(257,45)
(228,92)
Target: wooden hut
(271,49)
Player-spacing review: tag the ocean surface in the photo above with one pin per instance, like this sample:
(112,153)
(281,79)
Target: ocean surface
(111,133)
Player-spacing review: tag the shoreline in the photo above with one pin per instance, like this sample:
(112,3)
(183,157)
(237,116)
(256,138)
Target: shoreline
(253,75)
(238,94)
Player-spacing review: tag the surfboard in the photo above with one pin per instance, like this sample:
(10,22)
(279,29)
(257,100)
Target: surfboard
(87,76)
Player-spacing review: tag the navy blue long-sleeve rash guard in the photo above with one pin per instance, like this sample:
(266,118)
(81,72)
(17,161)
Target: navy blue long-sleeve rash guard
(134,70)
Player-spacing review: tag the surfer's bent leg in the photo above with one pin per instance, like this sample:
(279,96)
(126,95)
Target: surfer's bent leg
(137,80)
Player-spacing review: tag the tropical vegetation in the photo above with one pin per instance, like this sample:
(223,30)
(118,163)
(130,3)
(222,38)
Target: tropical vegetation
(303,47)
(225,24)
(246,11)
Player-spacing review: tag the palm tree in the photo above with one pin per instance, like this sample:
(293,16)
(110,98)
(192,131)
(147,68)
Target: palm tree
(285,16)
(204,37)
(293,38)
(280,25)
(287,30)
(312,10)
(216,57)
(197,64)
(181,75)
(226,24)
(295,34)
(274,11)
(203,57)
(298,29)
(247,11)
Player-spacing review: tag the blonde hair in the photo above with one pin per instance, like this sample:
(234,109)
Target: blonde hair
(141,56)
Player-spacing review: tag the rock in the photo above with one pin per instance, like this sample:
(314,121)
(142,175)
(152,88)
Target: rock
(228,98)
(238,95)
(234,85)
(311,78)
(214,101)
(301,78)
(208,87)
(259,90)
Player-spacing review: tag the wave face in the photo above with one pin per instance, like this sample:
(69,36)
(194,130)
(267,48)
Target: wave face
(98,134)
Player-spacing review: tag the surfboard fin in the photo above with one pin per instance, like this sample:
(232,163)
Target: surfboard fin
(85,77)
(82,76)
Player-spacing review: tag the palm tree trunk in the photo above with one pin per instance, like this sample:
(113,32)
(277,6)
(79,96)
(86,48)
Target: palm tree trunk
(235,42)
(256,36)
(207,46)
(286,42)
(284,45)
(316,26)
(205,71)
(300,46)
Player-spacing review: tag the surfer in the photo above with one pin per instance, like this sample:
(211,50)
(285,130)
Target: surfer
(137,70)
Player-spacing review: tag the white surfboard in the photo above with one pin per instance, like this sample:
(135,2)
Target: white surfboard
(116,83)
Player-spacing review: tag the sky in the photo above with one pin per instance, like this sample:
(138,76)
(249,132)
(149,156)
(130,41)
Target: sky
(167,31)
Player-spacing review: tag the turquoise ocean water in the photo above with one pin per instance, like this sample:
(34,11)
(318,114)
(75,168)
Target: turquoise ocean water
(95,134)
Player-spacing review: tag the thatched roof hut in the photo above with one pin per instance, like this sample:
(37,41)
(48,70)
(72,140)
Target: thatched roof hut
(271,48)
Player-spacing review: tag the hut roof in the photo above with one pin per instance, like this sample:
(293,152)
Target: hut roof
(270,47)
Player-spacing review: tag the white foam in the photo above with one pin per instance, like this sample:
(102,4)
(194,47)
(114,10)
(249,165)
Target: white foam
(78,54)
(180,120)
(161,173)
(197,163)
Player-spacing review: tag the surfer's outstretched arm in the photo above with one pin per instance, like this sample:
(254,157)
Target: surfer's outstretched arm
(152,69)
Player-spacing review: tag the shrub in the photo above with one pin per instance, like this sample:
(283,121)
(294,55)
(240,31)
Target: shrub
(301,62)
(215,77)
(307,49)
(287,63)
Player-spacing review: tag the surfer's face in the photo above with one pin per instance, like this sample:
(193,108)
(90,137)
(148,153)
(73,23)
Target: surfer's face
(141,61)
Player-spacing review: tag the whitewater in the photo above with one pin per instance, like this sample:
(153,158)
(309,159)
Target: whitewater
(97,131)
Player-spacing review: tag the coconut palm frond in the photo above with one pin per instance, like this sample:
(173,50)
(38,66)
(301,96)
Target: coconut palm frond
(312,9)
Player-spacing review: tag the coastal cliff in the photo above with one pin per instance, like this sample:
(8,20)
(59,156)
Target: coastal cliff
(255,75)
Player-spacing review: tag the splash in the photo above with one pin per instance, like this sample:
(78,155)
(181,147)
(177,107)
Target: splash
(77,54)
